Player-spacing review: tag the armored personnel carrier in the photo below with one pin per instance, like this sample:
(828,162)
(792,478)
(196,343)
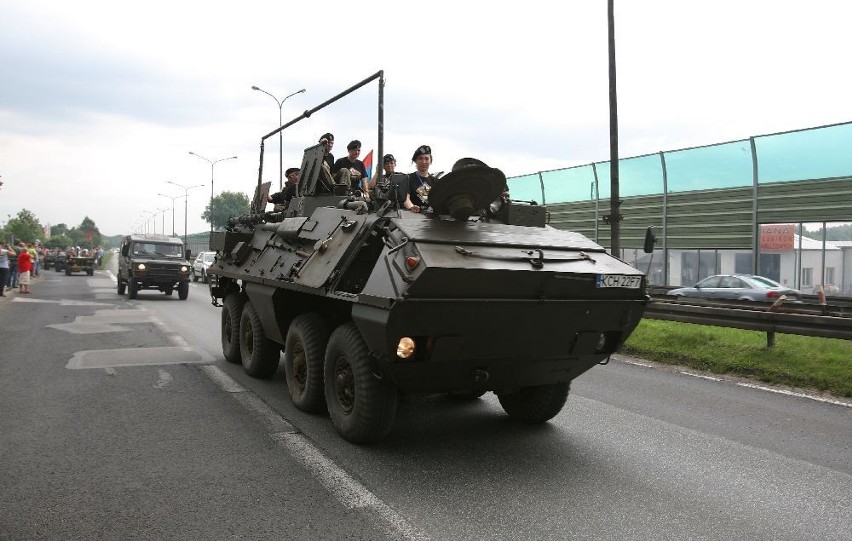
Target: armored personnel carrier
(477,295)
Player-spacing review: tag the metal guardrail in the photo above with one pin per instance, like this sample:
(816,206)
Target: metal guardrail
(827,321)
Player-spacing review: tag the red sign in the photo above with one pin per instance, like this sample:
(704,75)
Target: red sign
(776,238)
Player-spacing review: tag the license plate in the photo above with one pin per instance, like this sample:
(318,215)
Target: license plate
(619,280)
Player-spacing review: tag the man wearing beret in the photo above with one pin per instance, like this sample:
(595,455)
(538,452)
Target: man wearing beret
(350,170)
(282,198)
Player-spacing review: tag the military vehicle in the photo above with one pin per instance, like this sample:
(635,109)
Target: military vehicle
(478,295)
(152,262)
(79,263)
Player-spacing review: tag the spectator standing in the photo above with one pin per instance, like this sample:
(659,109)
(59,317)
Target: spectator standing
(33,259)
(12,281)
(25,267)
(4,267)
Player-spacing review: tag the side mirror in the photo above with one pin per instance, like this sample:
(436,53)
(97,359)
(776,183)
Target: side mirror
(187,254)
(650,239)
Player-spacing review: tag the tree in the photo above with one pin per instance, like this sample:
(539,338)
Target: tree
(225,205)
(58,241)
(25,227)
(86,234)
(58,229)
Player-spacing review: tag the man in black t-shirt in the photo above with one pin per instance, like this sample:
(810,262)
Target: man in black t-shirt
(350,170)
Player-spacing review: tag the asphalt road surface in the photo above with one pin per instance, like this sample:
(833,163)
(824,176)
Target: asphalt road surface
(121,419)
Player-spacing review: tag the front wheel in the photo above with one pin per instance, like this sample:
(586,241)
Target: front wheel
(132,288)
(304,352)
(259,354)
(121,286)
(183,290)
(537,404)
(232,309)
(361,402)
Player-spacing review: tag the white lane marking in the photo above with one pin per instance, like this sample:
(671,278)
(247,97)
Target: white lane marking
(742,384)
(349,492)
(702,376)
(164,379)
(644,365)
(793,393)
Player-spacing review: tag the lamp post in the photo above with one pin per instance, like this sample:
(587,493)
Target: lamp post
(173,211)
(185,204)
(151,215)
(212,163)
(280,136)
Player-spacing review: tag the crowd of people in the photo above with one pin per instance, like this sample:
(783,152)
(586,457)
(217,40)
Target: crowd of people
(408,191)
(20,262)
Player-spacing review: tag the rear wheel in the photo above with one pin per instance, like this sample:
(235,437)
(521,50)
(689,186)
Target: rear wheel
(183,290)
(132,288)
(259,354)
(232,309)
(535,404)
(304,355)
(362,404)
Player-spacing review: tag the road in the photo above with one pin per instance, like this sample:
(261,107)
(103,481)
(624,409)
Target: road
(122,419)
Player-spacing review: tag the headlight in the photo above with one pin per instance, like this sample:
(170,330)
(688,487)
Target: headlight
(140,266)
(184,269)
(405,348)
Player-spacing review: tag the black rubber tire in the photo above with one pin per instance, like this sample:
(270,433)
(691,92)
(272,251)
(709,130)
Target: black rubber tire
(259,354)
(67,272)
(304,359)
(535,405)
(132,289)
(204,278)
(232,309)
(361,403)
(120,286)
(183,290)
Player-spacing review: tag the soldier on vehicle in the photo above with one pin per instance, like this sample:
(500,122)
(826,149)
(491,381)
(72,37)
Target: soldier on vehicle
(350,170)
(282,198)
(390,186)
(420,181)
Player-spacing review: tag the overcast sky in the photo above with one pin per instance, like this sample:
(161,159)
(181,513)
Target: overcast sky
(101,102)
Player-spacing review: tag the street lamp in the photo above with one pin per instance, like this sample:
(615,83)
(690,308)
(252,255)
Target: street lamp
(173,211)
(280,136)
(212,163)
(153,216)
(185,204)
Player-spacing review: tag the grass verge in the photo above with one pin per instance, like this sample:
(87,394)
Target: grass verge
(798,361)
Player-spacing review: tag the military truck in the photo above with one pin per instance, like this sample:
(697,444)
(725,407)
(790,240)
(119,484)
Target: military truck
(477,295)
(152,262)
(79,263)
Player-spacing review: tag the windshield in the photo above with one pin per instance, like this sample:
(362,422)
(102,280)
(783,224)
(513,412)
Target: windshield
(154,249)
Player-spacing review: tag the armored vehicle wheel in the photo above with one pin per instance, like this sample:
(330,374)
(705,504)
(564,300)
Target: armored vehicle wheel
(183,290)
(259,354)
(232,309)
(304,354)
(132,289)
(120,286)
(535,404)
(362,405)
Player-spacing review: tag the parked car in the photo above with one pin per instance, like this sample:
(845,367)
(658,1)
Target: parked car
(745,287)
(201,264)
